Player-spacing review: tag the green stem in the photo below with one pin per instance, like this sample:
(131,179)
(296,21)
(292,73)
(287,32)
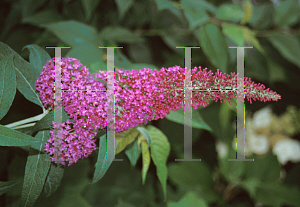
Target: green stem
(24,126)
(26,121)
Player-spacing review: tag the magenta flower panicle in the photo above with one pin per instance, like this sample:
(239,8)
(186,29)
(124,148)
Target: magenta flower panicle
(140,96)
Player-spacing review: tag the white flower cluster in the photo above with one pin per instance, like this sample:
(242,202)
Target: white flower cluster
(265,132)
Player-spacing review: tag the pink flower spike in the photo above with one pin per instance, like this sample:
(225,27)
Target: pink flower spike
(136,93)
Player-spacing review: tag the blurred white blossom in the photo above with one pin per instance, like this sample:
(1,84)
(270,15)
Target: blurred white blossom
(287,150)
(262,118)
(258,144)
(221,149)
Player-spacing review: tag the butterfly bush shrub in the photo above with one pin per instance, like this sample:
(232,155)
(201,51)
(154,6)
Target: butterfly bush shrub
(140,96)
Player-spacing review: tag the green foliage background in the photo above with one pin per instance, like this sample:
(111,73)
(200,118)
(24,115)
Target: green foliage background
(148,31)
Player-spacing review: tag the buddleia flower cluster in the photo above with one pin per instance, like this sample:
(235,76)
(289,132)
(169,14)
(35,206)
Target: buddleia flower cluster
(140,96)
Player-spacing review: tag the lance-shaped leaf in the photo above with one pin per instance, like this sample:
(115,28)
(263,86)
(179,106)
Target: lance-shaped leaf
(37,58)
(288,46)
(160,149)
(125,138)
(7,85)
(197,121)
(102,163)
(225,12)
(37,167)
(146,159)
(235,33)
(10,137)
(74,33)
(214,45)
(133,153)
(195,11)
(146,134)
(25,75)
(26,81)
(287,13)
(247,8)
(54,178)
(251,39)
(7,186)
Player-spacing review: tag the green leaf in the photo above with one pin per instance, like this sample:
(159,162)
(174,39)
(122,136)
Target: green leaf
(235,33)
(36,171)
(247,9)
(7,85)
(251,39)
(146,135)
(125,138)
(25,75)
(101,165)
(286,13)
(273,194)
(230,12)
(288,46)
(89,7)
(74,33)
(146,159)
(37,58)
(119,34)
(195,11)
(197,121)
(133,153)
(123,6)
(70,192)
(83,39)
(190,199)
(54,178)
(160,149)
(25,82)
(5,50)
(262,16)
(7,186)
(10,137)
(42,18)
(46,122)
(214,45)
(264,168)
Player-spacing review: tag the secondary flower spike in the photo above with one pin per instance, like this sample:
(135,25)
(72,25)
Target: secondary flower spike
(140,96)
